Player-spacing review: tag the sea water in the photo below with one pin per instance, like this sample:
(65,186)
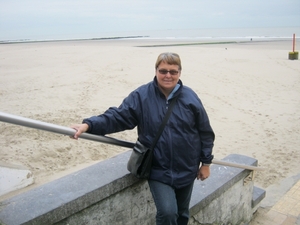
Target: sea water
(230,34)
(222,33)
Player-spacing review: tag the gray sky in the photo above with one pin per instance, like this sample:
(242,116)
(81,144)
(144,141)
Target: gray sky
(41,18)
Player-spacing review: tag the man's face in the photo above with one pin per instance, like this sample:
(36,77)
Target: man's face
(167,77)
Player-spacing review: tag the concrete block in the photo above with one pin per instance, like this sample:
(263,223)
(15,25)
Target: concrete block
(105,193)
(257,196)
(14,177)
(57,200)
(224,197)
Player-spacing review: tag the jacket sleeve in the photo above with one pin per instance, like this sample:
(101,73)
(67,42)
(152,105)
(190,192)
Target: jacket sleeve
(116,119)
(207,136)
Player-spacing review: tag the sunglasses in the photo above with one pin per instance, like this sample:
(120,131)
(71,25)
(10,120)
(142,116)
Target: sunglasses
(164,71)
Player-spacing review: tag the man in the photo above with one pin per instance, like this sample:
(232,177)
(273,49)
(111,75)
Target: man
(185,143)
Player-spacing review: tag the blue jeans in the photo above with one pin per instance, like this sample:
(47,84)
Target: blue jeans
(172,204)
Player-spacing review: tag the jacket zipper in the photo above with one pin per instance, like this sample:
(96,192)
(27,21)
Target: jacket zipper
(171,149)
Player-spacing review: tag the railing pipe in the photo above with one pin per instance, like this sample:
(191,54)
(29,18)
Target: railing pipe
(22,121)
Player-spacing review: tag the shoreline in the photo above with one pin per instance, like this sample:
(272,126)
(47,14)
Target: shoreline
(65,40)
(182,41)
(215,43)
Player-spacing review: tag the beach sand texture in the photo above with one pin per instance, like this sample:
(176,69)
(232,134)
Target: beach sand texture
(251,92)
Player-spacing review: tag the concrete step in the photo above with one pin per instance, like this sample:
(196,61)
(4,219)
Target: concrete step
(257,196)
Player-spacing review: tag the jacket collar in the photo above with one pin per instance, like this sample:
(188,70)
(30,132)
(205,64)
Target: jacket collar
(176,91)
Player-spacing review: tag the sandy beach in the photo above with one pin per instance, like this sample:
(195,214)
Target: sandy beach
(251,92)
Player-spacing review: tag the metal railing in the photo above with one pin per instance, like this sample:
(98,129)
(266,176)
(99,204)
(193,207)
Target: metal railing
(36,124)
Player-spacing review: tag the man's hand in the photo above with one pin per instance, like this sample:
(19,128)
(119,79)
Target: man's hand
(80,128)
(203,172)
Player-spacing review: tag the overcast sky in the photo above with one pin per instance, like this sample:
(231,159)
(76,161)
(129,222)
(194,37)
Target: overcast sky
(40,18)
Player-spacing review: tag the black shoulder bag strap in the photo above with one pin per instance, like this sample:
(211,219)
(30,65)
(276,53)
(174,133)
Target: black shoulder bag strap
(162,126)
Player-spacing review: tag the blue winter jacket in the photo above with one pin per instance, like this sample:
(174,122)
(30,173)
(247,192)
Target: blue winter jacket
(186,140)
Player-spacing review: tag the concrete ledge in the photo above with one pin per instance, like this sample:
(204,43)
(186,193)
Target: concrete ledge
(258,195)
(68,195)
(106,193)
(226,196)
(222,178)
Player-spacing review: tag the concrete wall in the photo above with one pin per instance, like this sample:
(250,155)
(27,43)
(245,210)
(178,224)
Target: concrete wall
(106,194)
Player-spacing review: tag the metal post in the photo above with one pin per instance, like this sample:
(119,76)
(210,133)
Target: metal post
(294,42)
